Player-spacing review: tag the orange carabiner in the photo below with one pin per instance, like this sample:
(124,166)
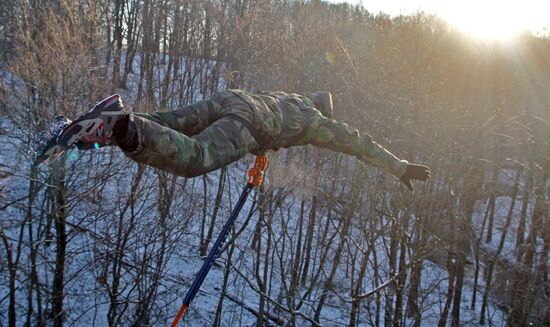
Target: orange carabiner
(256,173)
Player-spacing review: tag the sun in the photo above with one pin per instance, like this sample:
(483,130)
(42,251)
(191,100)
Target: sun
(498,20)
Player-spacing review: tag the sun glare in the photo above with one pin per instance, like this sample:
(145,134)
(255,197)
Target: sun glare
(498,20)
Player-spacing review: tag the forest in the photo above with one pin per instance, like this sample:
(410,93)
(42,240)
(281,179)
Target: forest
(95,239)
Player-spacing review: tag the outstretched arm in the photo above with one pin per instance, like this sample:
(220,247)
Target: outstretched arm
(405,171)
(338,136)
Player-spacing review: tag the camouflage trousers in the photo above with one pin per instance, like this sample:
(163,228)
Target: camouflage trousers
(213,133)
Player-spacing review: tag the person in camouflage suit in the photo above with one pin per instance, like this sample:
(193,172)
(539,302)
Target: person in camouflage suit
(215,132)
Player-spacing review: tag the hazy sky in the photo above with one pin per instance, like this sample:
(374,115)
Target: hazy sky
(393,6)
(487,17)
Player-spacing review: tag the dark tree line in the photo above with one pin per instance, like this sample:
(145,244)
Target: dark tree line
(93,238)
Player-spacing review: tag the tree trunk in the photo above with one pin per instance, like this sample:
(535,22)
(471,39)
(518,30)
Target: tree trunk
(522,299)
(327,285)
(402,275)
(12,318)
(312,218)
(417,261)
(60,216)
(520,237)
(217,203)
(118,14)
(492,186)
(392,261)
(494,258)
(464,239)
(356,301)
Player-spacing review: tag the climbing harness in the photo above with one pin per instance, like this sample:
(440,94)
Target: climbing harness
(255,179)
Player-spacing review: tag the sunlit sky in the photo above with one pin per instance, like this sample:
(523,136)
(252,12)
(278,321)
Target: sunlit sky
(492,19)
